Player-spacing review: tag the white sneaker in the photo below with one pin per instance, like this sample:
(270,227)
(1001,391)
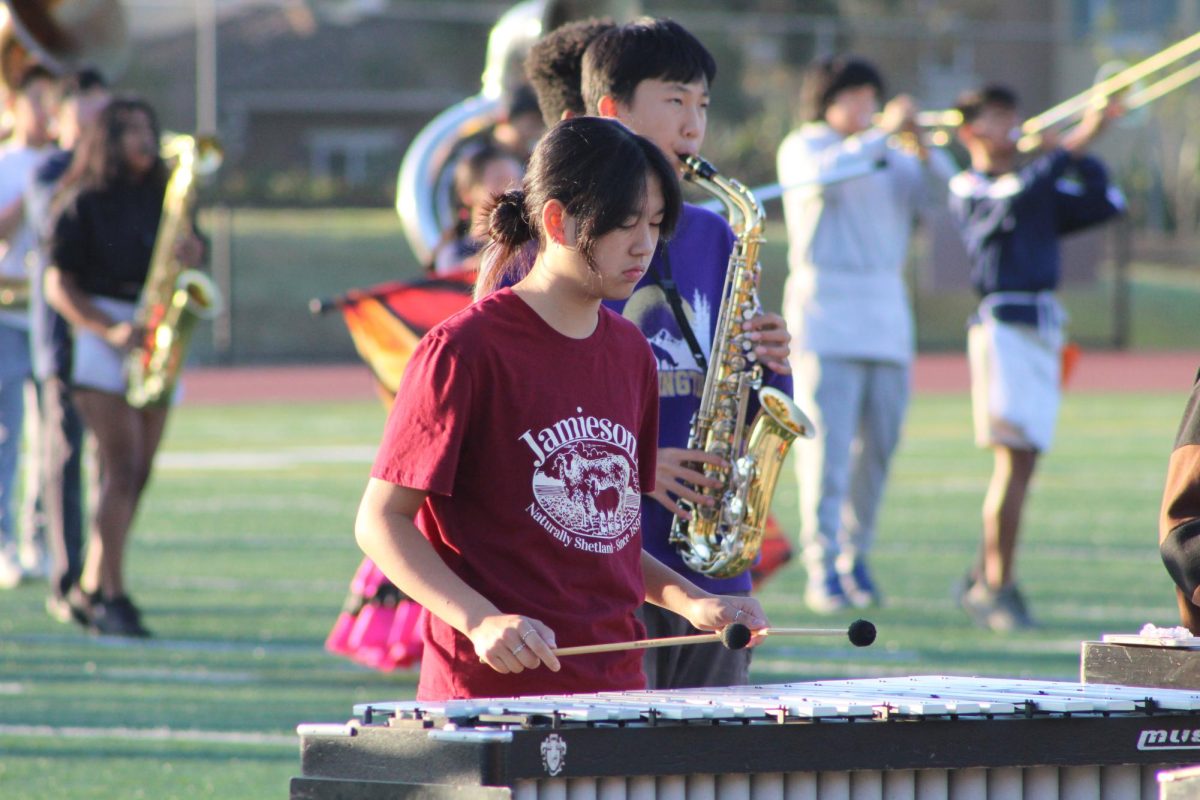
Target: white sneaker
(11,573)
(34,562)
(825,595)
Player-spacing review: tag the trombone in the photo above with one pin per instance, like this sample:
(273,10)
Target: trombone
(941,123)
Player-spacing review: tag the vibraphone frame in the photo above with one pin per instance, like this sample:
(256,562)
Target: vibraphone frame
(917,737)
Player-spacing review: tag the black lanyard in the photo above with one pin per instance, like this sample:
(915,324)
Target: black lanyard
(667,283)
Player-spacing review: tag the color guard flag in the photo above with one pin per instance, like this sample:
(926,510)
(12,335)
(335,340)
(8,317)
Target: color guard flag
(387,320)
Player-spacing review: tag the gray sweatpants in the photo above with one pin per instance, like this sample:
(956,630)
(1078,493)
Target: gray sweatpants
(858,409)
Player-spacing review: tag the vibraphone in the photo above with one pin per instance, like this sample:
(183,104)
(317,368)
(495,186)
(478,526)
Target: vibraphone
(912,737)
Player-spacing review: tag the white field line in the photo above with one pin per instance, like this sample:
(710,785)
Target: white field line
(191,676)
(255,649)
(11,688)
(264,502)
(1113,614)
(249,459)
(163,734)
(217,583)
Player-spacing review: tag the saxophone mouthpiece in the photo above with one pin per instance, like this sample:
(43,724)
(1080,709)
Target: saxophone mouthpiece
(697,166)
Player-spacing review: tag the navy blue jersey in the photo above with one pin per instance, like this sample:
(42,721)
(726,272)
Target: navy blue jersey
(1011,223)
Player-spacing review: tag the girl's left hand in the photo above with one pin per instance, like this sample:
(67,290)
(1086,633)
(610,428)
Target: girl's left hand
(715,612)
(771,340)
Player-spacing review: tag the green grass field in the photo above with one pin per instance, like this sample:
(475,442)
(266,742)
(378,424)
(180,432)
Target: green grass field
(280,259)
(243,552)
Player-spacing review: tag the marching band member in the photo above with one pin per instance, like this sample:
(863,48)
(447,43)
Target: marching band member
(1011,218)
(32,104)
(654,76)
(1179,521)
(847,304)
(61,448)
(505,496)
(108,210)
(480,175)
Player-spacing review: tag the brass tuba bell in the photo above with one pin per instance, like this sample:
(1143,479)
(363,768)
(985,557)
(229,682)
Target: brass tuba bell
(423,187)
(64,36)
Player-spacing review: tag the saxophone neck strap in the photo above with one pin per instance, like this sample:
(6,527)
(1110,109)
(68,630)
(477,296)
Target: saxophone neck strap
(667,284)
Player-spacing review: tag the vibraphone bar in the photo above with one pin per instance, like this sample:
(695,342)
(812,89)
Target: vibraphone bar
(921,737)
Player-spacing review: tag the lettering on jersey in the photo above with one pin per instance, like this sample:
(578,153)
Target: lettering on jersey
(678,373)
(585,482)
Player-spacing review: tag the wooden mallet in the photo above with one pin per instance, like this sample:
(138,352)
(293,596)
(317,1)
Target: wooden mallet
(736,636)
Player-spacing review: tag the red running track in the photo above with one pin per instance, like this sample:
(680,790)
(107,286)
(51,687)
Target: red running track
(1099,371)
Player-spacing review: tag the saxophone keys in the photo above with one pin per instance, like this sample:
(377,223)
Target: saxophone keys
(734,511)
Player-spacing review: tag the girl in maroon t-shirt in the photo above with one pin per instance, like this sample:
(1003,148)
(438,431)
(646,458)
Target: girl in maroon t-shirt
(505,497)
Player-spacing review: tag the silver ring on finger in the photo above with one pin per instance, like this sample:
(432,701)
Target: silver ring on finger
(518,648)
(738,615)
(529,632)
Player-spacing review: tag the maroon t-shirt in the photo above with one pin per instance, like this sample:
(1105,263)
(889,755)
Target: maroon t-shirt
(535,449)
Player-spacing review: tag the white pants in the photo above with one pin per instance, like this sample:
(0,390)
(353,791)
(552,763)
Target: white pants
(1016,379)
(858,409)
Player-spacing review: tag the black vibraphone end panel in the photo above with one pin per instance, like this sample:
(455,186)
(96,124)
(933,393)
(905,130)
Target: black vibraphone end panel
(400,756)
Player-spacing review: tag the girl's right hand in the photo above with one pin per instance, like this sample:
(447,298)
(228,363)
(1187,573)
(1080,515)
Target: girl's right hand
(513,643)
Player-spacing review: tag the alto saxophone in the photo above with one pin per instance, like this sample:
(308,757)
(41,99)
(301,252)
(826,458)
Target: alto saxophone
(722,540)
(173,297)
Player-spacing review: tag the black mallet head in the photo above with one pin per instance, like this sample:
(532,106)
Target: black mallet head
(736,636)
(861,633)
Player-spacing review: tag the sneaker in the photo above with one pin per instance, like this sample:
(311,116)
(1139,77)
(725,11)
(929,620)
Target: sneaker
(35,562)
(75,607)
(1010,596)
(959,589)
(11,574)
(1001,610)
(826,595)
(117,616)
(859,586)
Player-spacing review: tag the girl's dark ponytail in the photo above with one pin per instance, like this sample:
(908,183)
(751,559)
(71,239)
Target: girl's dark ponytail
(509,229)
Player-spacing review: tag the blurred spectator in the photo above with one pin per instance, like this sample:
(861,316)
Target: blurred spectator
(60,448)
(521,124)
(32,105)
(487,172)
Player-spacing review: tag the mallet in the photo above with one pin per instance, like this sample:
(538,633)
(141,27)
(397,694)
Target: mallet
(736,636)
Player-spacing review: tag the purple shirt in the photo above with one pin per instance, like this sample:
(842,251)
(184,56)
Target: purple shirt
(699,256)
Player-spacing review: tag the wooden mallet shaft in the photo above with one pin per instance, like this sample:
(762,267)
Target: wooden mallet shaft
(802,631)
(641,644)
(736,636)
